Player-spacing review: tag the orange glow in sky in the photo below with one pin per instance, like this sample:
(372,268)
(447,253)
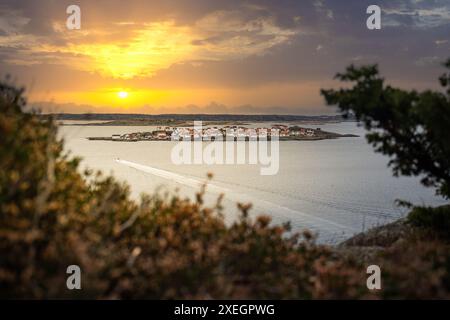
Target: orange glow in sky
(209,56)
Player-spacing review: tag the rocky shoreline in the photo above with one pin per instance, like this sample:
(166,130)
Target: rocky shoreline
(365,246)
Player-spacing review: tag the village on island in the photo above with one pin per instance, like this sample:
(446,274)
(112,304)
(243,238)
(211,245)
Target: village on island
(236,133)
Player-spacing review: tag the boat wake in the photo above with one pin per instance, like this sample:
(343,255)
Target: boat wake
(277,211)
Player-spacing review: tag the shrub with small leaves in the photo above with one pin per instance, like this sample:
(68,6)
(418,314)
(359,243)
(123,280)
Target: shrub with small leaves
(52,215)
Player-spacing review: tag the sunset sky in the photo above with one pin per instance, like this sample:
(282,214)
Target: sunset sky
(213,56)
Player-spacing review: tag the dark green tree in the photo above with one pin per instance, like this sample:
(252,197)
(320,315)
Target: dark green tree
(411,127)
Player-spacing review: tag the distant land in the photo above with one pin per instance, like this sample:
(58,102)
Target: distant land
(227,133)
(120,119)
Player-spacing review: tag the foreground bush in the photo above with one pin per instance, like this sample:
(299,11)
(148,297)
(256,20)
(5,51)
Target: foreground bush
(435,219)
(162,247)
(51,216)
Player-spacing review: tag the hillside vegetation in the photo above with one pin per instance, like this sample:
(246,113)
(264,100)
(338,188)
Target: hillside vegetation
(52,215)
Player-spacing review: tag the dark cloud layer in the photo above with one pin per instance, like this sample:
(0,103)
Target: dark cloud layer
(239,44)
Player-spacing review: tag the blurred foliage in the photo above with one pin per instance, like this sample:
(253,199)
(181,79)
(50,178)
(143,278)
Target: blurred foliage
(436,219)
(52,215)
(411,127)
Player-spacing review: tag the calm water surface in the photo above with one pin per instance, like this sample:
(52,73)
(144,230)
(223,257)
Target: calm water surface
(334,187)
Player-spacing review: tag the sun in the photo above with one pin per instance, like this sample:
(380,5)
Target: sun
(122,94)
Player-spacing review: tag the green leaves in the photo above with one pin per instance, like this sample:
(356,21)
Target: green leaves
(445,78)
(412,128)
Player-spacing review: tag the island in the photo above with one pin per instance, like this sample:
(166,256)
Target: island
(236,133)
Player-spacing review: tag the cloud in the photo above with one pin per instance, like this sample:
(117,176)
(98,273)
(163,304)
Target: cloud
(233,35)
(440,42)
(147,47)
(11,21)
(418,14)
(427,61)
(234,51)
